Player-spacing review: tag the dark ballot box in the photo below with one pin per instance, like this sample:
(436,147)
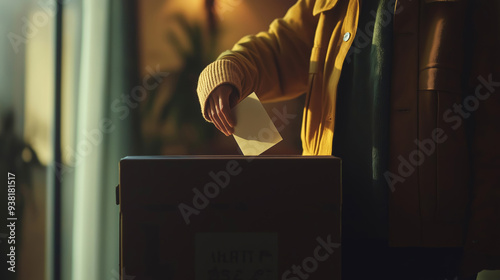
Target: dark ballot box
(230,217)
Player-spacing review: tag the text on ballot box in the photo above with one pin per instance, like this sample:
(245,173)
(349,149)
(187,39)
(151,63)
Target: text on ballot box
(240,255)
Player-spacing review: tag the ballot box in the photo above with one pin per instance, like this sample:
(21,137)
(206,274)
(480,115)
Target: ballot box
(230,217)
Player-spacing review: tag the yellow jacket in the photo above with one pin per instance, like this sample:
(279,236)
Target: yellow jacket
(304,46)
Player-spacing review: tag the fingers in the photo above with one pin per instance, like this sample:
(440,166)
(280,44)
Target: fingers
(227,115)
(212,114)
(219,110)
(225,128)
(216,116)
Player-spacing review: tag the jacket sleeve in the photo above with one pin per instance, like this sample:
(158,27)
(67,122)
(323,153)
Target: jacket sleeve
(482,248)
(273,64)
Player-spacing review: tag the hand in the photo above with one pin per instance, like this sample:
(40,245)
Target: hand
(218,108)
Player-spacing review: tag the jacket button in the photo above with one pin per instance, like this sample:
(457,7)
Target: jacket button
(347,35)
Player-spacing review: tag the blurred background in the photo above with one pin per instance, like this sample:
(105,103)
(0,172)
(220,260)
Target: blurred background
(84,86)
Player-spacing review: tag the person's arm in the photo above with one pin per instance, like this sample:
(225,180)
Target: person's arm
(274,64)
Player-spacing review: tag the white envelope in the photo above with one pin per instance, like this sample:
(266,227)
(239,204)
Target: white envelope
(254,131)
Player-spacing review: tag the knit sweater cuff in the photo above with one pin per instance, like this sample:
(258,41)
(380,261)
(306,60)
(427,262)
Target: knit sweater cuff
(222,71)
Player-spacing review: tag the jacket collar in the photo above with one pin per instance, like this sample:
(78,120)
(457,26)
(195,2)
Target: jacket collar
(323,5)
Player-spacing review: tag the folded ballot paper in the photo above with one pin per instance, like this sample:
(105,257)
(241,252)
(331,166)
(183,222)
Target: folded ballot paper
(254,131)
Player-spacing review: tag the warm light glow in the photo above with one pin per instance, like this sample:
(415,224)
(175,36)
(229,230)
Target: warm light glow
(39,95)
